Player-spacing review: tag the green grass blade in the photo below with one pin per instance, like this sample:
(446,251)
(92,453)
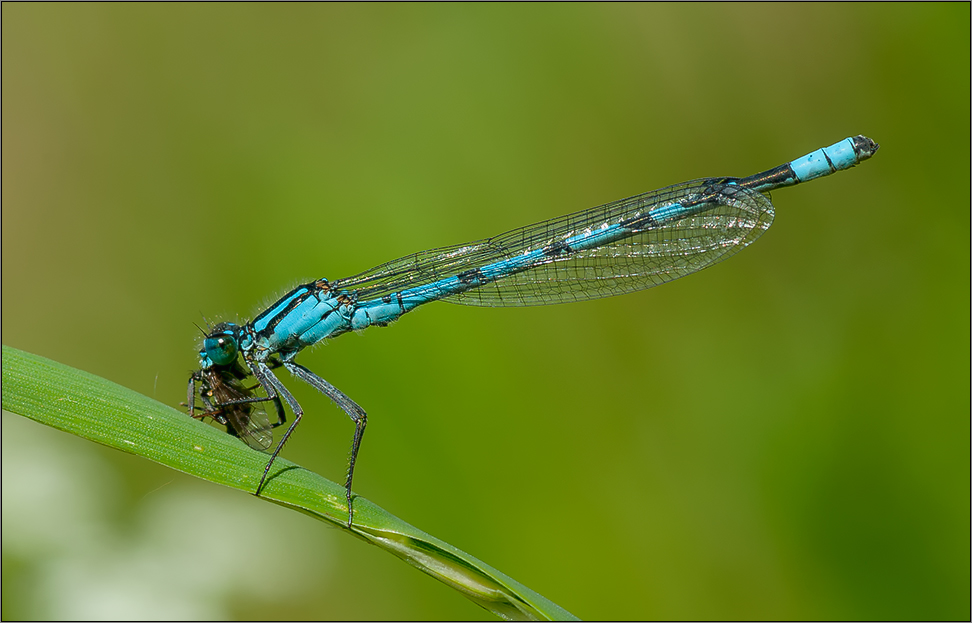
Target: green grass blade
(99,410)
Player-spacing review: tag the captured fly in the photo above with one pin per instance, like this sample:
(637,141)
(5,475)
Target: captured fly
(234,405)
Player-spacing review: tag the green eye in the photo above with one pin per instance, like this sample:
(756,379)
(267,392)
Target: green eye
(221,349)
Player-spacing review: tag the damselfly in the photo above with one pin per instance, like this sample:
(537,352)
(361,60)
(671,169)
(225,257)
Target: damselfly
(620,247)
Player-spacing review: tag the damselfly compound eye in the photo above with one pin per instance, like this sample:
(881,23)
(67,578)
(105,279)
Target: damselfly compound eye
(221,349)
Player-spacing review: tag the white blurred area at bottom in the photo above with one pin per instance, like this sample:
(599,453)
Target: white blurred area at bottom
(185,552)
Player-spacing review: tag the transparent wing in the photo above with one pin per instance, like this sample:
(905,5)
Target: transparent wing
(656,253)
(242,410)
(251,424)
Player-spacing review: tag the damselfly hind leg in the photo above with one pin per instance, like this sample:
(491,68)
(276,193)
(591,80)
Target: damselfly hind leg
(276,389)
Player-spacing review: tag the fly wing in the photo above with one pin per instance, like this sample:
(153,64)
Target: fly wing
(251,424)
(243,411)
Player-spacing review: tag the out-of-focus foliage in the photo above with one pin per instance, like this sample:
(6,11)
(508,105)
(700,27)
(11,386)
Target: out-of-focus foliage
(788,432)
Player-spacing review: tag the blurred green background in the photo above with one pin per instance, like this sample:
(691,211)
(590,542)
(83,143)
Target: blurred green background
(783,436)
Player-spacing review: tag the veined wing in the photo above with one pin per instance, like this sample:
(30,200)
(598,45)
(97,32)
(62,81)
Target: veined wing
(651,251)
(247,420)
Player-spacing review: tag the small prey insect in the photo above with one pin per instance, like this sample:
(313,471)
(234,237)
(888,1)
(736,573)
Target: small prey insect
(229,402)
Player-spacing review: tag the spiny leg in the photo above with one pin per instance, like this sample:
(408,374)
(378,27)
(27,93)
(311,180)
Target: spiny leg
(191,396)
(354,411)
(275,390)
(273,364)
